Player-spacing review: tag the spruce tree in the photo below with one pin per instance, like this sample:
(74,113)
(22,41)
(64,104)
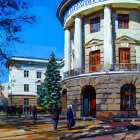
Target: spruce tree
(50,89)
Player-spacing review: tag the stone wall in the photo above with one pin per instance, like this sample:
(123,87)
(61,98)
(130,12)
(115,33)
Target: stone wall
(19,100)
(107,95)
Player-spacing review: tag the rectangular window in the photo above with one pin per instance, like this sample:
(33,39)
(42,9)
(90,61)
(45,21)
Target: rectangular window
(26,87)
(95,25)
(94,60)
(38,74)
(38,89)
(26,102)
(26,73)
(123,21)
(124,55)
(124,58)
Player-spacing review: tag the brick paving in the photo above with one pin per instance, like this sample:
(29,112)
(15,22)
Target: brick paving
(24,128)
(14,128)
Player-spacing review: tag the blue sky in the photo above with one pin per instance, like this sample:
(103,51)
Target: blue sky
(46,35)
(43,37)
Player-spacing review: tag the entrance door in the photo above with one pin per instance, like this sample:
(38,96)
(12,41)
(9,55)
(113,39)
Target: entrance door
(92,107)
(64,100)
(89,101)
(94,60)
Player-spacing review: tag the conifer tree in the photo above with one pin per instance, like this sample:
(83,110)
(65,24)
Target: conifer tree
(50,89)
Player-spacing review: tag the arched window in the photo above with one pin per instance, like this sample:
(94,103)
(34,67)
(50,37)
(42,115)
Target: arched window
(128,97)
(64,100)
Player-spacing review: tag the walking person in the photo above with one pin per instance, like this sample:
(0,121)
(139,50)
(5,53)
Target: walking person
(34,111)
(15,110)
(30,109)
(55,116)
(8,111)
(20,110)
(5,109)
(24,109)
(70,118)
(60,109)
(27,109)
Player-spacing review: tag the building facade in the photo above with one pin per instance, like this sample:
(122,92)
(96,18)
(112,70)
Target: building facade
(25,77)
(102,57)
(5,90)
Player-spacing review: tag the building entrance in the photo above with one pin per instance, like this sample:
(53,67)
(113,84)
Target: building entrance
(89,101)
(64,100)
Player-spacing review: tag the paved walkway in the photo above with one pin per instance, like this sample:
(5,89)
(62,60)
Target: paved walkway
(12,128)
(129,130)
(15,128)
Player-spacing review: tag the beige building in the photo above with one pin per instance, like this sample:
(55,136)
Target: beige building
(102,57)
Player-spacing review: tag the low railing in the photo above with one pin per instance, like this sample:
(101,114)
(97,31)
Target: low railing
(84,69)
(127,66)
(100,68)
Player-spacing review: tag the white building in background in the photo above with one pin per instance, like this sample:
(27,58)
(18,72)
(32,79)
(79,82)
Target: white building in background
(25,77)
(4,91)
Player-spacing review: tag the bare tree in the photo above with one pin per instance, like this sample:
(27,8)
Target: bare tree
(13,14)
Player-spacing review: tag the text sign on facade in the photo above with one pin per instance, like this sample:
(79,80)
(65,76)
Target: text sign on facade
(78,5)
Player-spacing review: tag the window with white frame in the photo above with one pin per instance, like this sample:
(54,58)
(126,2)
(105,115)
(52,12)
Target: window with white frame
(38,89)
(38,74)
(26,73)
(26,87)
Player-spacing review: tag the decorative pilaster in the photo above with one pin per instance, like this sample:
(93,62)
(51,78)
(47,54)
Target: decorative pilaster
(67,50)
(108,44)
(78,42)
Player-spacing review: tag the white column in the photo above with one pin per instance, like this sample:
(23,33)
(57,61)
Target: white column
(108,44)
(67,50)
(78,42)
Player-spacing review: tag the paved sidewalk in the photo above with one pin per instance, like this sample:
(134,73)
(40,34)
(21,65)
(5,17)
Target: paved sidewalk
(13,127)
(23,128)
(128,130)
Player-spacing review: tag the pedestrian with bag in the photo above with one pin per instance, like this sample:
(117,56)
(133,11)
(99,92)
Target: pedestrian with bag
(55,117)
(70,118)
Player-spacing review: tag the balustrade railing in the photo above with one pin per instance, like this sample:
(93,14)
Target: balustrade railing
(84,69)
(100,68)
(127,66)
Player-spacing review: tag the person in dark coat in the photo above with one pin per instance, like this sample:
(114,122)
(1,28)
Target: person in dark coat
(70,118)
(8,111)
(60,109)
(34,110)
(30,109)
(24,109)
(27,109)
(15,109)
(20,111)
(55,116)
